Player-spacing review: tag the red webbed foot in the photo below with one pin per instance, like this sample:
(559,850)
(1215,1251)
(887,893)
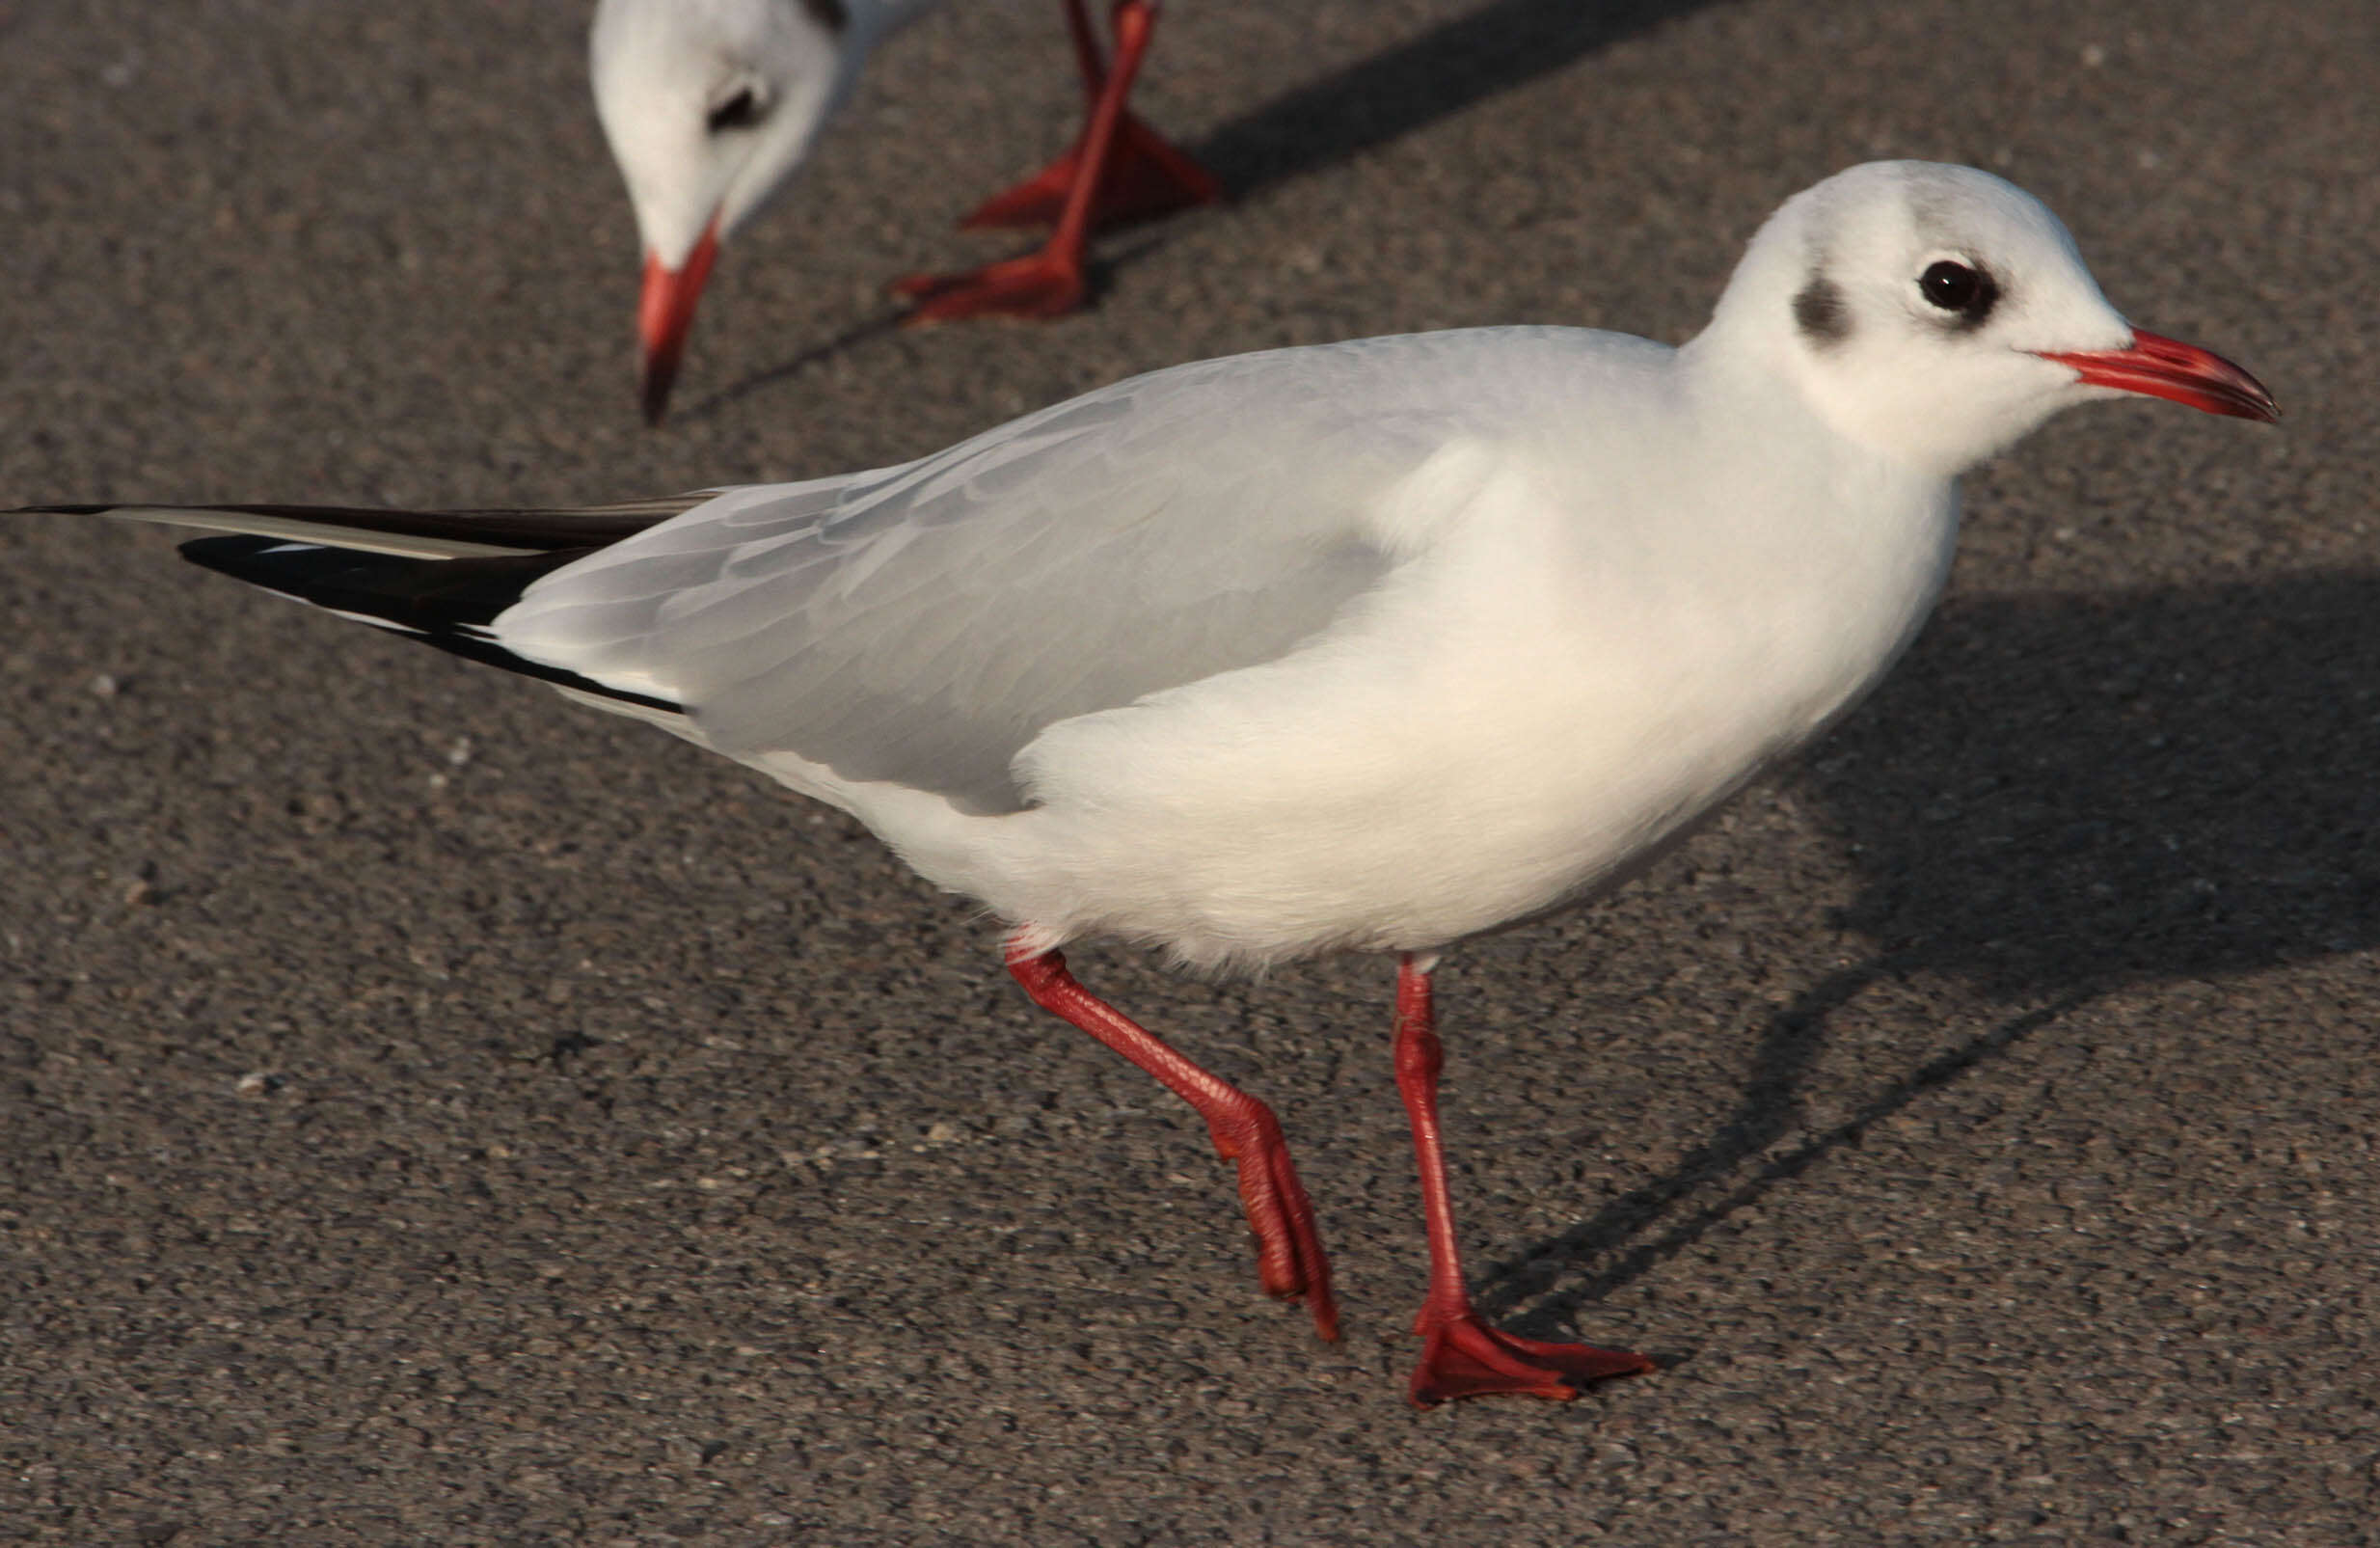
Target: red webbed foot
(1291,1262)
(1145,178)
(1463,1357)
(1036,286)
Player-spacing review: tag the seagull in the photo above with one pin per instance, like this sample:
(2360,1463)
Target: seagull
(1369,646)
(711,106)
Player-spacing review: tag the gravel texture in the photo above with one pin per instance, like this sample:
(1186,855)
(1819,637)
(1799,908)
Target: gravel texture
(434,1114)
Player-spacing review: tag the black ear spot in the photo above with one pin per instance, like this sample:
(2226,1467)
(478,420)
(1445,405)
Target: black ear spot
(740,110)
(1821,313)
(830,15)
(1964,289)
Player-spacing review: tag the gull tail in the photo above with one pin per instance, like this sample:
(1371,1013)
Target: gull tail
(420,534)
(439,577)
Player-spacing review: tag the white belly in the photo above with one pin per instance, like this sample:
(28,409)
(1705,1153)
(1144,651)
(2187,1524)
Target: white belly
(1475,752)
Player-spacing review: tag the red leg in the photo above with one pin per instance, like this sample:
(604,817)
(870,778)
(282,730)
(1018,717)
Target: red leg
(1291,1262)
(1462,1356)
(1050,281)
(1089,61)
(1146,176)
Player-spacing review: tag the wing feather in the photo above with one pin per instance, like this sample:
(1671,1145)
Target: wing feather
(923,623)
(436,534)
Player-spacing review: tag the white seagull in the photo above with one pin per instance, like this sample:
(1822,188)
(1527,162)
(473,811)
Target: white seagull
(1366,646)
(711,106)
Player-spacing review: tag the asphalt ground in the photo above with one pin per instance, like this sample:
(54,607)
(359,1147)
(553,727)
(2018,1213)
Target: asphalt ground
(436,1114)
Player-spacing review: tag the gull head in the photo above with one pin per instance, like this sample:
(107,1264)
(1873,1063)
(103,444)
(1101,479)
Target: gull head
(1936,314)
(710,106)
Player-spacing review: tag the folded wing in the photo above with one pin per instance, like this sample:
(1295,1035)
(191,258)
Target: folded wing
(923,623)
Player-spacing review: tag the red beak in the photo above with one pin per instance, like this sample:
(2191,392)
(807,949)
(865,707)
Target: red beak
(2167,367)
(665,313)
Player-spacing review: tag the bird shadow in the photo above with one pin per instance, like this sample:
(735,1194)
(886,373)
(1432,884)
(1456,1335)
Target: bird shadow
(2056,795)
(866,331)
(1383,97)
(1394,93)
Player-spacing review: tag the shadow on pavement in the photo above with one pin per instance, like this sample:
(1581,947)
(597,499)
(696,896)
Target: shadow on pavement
(1441,72)
(2054,795)
(1394,93)
(866,330)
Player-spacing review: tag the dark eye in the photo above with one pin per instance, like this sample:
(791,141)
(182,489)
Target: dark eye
(739,112)
(1955,286)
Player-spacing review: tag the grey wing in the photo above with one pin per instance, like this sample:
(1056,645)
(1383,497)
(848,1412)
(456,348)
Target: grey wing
(923,623)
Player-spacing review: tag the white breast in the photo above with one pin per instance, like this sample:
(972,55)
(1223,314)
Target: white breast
(1526,710)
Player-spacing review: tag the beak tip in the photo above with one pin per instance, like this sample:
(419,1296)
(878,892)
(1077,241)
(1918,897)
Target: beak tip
(653,398)
(665,315)
(2157,367)
(2253,402)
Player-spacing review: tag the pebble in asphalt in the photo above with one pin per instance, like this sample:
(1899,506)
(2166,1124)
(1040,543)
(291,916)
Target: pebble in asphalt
(1981,1119)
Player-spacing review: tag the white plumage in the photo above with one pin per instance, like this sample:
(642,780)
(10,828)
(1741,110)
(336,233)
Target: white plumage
(1373,645)
(712,106)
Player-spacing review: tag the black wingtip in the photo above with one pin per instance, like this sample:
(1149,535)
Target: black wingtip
(446,603)
(526,530)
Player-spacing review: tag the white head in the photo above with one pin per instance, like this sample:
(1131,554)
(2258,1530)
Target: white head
(711,106)
(1937,313)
